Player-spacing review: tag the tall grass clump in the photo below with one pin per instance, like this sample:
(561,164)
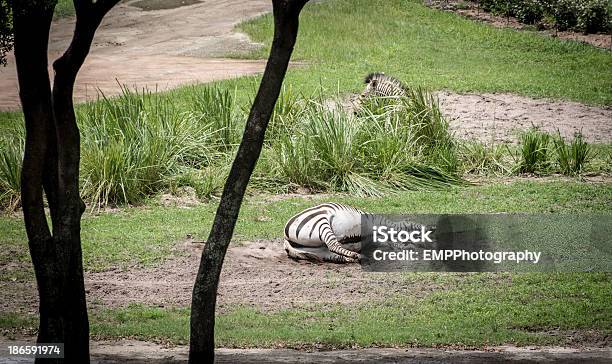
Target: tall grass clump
(389,145)
(291,155)
(216,108)
(132,144)
(572,157)
(287,110)
(141,143)
(483,159)
(534,151)
(11,157)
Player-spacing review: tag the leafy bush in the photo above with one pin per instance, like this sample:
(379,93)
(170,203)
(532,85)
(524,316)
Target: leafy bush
(593,16)
(589,16)
(529,11)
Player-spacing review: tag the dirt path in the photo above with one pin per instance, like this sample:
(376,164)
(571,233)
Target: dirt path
(132,351)
(156,49)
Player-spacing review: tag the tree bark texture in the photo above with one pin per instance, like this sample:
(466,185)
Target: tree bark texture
(51,164)
(286,18)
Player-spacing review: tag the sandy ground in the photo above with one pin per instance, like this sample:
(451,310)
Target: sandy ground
(499,117)
(256,274)
(156,49)
(131,351)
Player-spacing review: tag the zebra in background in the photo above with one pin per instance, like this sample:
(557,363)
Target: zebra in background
(380,85)
(331,232)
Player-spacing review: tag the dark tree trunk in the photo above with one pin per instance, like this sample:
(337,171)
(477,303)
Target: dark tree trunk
(51,162)
(286,16)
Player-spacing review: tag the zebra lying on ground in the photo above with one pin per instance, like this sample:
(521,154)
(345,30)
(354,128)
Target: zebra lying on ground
(380,85)
(331,232)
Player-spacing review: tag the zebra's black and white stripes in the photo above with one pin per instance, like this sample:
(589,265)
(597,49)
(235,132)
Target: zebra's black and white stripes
(331,232)
(380,85)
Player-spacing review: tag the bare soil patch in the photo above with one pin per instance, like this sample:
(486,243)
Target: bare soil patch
(494,118)
(470,9)
(256,274)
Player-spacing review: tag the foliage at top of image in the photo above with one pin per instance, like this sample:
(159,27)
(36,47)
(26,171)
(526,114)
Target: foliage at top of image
(589,16)
(6,31)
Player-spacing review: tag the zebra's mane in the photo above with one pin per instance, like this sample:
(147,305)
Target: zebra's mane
(381,76)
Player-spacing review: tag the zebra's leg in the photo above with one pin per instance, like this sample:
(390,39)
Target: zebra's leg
(326,234)
(318,255)
(340,259)
(298,254)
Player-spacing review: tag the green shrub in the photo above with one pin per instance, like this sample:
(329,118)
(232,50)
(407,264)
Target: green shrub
(593,16)
(11,156)
(534,152)
(565,15)
(495,6)
(479,158)
(572,158)
(529,11)
(589,16)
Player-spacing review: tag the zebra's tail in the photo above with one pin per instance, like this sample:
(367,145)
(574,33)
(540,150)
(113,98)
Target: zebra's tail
(295,253)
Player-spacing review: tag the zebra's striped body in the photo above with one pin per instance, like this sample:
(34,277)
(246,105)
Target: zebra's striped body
(330,232)
(380,85)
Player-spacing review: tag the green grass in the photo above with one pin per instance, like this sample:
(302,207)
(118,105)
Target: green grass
(145,235)
(483,309)
(345,39)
